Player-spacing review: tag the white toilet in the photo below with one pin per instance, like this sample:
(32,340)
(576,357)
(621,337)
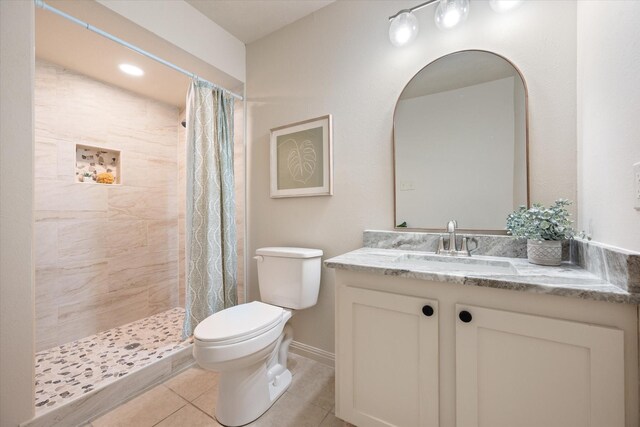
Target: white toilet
(248,343)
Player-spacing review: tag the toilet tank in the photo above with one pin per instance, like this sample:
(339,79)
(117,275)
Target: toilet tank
(289,277)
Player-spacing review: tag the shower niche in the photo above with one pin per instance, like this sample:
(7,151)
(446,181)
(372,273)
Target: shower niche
(97,165)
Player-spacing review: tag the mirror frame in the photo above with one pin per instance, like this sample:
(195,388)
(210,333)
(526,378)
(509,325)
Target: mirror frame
(527,165)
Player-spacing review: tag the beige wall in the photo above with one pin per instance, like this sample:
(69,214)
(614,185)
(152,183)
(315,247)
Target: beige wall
(608,125)
(339,60)
(105,255)
(16,212)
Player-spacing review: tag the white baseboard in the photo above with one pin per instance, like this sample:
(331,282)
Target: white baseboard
(313,353)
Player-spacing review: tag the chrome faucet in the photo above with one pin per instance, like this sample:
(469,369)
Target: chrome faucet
(451,229)
(452,248)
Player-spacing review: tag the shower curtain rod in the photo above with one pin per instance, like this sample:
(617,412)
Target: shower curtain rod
(42,5)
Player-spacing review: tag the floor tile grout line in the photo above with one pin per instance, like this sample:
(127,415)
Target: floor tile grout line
(193,399)
(213,418)
(324,418)
(186,403)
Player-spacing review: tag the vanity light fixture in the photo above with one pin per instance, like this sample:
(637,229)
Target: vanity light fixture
(449,13)
(132,70)
(403,28)
(504,5)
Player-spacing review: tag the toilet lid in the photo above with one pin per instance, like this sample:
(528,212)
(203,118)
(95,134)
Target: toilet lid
(239,323)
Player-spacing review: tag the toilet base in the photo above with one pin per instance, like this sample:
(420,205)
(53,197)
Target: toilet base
(244,396)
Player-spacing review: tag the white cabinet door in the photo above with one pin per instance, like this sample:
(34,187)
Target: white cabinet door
(518,370)
(387,359)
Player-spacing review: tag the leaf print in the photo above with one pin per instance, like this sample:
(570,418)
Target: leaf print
(301,161)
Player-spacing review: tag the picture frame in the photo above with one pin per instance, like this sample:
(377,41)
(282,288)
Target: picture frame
(301,159)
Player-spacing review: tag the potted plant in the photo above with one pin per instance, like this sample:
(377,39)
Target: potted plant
(87,177)
(544,228)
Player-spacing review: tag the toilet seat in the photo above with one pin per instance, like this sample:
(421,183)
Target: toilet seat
(238,323)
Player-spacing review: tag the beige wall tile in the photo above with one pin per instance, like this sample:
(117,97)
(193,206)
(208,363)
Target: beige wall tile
(83,311)
(81,281)
(46,243)
(45,215)
(162,296)
(94,313)
(46,327)
(124,306)
(161,115)
(125,237)
(66,160)
(80,327)
(145,170)
(46,159)
(82,240)
(163,235)
(142,203)
(142,141)
(142,269)
(61,195)
(46,313)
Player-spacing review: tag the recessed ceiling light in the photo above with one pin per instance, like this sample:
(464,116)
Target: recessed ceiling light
(132,70)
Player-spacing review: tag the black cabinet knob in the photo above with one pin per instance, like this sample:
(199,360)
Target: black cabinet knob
(427,310)
(465,316)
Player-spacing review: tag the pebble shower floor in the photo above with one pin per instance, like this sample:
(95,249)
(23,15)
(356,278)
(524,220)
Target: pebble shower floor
(73,369)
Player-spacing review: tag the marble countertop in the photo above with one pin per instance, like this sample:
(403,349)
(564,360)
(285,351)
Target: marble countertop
(516,274)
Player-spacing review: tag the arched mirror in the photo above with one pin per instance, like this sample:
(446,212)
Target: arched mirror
(460,144)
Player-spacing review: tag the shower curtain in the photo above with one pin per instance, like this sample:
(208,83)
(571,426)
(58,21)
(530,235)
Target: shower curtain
(210,216)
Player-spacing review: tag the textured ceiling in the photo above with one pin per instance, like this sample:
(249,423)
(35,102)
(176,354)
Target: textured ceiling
(250,20)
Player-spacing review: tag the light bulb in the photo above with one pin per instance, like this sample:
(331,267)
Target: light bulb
(451,12)
(132,70)
(501,6)
(403,28)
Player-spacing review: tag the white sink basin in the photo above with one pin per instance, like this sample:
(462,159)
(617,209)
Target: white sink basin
(437,263)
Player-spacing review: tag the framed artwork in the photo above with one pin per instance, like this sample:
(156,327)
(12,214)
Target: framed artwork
(302,159)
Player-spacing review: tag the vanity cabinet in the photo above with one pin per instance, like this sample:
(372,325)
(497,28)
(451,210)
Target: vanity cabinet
(390,343)
(484,357)
(516,369)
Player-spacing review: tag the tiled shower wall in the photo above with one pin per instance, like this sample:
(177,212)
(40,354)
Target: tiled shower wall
(105,254)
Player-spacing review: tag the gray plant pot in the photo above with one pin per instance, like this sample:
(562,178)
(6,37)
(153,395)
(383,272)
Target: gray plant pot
(544,252)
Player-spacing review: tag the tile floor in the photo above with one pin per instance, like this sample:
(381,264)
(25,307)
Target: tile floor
(68,371)
(189,399)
